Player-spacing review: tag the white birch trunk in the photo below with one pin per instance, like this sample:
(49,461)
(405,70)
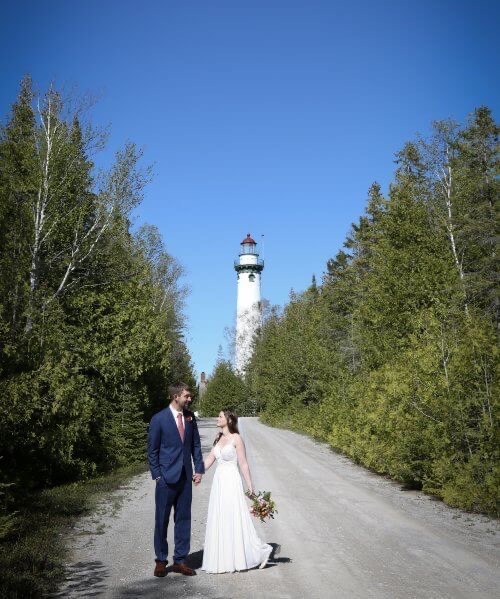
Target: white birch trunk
(446,180)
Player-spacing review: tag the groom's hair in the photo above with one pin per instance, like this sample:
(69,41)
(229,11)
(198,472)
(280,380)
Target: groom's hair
(177,389)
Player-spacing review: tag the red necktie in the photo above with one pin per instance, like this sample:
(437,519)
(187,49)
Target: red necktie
(180,426)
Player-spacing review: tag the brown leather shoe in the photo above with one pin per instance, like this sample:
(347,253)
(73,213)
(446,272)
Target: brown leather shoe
(183,569)
(160,569)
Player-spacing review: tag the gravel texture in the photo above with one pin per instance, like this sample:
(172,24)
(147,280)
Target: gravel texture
(344,532)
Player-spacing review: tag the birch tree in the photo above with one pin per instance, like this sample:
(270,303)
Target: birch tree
(72,207)
(91,323)
(440,154)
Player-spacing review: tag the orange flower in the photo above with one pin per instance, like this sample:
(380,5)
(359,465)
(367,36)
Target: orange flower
(262,505)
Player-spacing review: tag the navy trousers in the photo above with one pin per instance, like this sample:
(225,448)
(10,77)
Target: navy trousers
(177,495)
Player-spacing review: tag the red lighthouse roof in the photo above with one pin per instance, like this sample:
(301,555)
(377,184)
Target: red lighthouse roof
(248,239)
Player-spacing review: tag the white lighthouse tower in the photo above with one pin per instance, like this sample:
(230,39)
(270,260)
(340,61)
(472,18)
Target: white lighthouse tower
(248,306)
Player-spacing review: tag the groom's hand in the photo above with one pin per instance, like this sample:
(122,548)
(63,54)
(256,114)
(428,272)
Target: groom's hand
(197,478)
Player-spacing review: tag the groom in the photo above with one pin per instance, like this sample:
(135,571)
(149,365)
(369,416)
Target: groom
(173,439)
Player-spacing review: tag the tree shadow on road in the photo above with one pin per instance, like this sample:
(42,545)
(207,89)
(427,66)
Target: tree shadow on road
(172,586)
(84,579)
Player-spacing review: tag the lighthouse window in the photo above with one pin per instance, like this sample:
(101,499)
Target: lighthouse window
(251,278)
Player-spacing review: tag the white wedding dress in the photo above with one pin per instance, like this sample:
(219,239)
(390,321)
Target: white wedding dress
(231,542)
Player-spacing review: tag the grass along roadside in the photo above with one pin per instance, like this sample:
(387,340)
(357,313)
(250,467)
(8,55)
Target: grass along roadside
(31,558)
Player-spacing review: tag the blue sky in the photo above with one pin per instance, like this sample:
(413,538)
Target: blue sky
(265,117)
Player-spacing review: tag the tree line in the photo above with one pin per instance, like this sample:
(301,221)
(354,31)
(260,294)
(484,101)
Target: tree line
(393,357)
(91,321)
(226,389)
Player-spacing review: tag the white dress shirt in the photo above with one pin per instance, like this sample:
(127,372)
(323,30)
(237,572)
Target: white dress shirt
(175,412)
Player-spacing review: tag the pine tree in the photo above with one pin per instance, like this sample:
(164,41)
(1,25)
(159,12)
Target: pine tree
(91,324)
(397,348)
(225,390)
(18,187)
(479,182)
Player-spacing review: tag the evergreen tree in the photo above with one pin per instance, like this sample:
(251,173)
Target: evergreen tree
(225,389)
(395,352)
(91,324)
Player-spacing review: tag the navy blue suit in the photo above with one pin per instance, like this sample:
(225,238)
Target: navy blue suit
(170,459)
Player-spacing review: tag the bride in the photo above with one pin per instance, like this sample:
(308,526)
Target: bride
(231,542)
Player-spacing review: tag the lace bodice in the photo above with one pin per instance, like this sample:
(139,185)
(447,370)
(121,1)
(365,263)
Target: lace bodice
(226,455)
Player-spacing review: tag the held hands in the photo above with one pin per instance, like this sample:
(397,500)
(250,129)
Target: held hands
(197,478)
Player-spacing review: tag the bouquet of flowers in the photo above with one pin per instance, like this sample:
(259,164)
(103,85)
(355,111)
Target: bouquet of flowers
(262,505)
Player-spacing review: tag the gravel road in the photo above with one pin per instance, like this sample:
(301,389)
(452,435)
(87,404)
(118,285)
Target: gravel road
(345,533)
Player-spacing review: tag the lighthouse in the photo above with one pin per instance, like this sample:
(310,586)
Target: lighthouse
(248,307)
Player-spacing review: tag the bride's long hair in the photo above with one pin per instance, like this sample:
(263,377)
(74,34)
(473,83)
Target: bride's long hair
(232,423)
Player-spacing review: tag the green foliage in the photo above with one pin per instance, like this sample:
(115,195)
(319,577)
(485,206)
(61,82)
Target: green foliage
(33,552)
(91,324)
(8,517)
(225,389)
(393,359)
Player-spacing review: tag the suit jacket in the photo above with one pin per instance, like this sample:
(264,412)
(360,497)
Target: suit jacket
(167,454)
